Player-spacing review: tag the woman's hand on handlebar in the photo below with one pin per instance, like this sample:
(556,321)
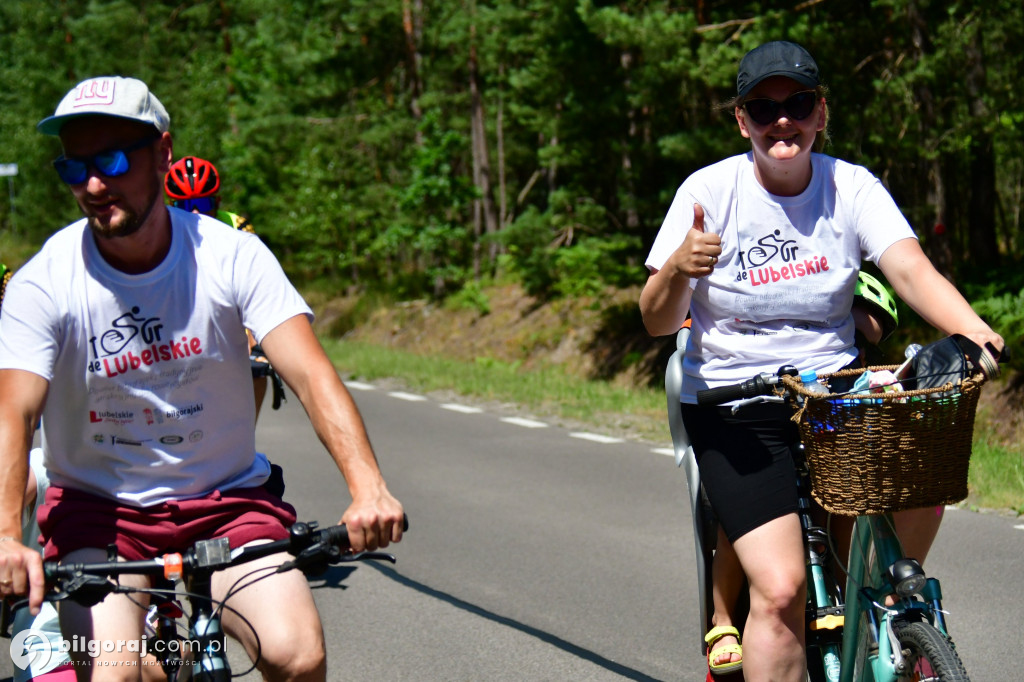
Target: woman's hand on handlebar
(21,572)
(990,341)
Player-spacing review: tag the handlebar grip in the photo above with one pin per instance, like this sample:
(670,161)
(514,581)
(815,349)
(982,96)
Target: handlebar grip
(338,535)
(51,571)
(722,394)
(335,535)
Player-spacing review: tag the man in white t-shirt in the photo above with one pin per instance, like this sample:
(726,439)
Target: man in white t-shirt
(124,336)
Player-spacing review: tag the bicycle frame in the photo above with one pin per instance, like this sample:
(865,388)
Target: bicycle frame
(825,618)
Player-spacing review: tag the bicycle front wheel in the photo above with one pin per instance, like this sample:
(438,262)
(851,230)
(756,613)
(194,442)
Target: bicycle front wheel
(929,655)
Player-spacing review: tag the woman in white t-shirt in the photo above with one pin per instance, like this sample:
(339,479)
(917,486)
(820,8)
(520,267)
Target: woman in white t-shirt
(762,250)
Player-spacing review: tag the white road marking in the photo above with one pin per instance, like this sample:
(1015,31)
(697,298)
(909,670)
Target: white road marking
(664,451)
(360,386)
(515,421)
(464,409)
(528,423)
(596,437)
(411,397)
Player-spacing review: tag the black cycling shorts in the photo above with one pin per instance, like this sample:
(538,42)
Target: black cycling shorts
(746,462)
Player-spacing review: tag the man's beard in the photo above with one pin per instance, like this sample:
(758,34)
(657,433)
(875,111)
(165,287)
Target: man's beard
(130,224)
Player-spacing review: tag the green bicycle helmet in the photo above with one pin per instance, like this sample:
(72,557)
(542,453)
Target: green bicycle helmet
(873,293)
(5,277)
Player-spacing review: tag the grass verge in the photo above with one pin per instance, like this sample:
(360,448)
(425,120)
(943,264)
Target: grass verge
(638,413)
(996,479)
(996,474)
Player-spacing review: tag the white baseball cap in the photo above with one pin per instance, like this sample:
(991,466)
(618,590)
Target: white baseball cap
(127,98)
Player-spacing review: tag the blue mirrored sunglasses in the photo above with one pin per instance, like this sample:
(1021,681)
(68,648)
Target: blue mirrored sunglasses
(111,163)
(205,205)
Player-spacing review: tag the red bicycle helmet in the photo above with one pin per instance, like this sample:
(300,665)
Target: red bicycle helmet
(191,178)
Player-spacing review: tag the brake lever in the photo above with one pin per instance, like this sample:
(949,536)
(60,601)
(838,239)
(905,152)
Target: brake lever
(314,559)
(366,556)
(756,399)
(87,590)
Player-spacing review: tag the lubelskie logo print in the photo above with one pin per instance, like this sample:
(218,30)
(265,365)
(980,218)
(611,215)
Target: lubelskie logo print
(111,358)
(757,266)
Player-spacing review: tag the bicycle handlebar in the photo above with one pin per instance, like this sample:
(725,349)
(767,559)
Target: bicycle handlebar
(312,547)
(762,384)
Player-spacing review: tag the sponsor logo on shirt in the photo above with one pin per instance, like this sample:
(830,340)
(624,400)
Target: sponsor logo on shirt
(109,348)
(118,440)
(185,412)
(112,416)
(774,259)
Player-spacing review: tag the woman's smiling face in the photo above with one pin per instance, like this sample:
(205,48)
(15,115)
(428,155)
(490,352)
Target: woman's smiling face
(785,138)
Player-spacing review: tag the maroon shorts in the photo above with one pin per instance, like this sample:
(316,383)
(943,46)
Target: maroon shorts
(72,519)
(62,673)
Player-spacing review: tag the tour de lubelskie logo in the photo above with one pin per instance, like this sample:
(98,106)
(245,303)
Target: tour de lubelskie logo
(774,259)
(135,341)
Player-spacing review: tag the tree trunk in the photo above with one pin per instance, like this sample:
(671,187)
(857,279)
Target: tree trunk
(225,24)
(484,217)
(412,26)
(931,178)
(629,200)
(981,219)
(503,216)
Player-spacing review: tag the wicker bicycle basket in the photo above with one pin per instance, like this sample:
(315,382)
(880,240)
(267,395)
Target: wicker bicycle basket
(883,452)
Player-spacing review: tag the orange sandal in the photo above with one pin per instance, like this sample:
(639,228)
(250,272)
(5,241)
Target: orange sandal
(713,636)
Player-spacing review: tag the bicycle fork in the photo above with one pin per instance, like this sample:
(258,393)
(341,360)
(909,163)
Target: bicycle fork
(876,559)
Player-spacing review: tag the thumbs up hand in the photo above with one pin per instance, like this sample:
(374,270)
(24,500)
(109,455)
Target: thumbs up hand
(699,252)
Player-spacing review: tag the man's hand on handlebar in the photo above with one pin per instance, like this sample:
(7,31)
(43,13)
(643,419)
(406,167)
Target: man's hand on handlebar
(375,523)
(21,572)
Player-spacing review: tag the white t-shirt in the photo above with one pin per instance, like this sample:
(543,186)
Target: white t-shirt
(150,394)
(783,287)
(42,646)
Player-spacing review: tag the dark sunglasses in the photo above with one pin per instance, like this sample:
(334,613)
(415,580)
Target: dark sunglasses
(797,106)
(111,163)
(202,204)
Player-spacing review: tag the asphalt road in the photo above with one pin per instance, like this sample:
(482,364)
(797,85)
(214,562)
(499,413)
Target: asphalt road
(539,553)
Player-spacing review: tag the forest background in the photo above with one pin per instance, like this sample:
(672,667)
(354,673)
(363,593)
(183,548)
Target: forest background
(433,150)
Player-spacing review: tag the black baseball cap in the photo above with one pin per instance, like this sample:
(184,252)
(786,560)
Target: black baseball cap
(778,58)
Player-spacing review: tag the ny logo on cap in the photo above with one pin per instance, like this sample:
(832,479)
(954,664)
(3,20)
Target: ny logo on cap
(97,92)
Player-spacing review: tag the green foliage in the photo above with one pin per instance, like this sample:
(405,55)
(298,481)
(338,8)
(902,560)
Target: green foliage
(470,297)
(343,129)
(1005,314)
(996,477)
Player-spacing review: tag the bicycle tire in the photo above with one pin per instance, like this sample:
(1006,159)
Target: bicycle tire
(930,655)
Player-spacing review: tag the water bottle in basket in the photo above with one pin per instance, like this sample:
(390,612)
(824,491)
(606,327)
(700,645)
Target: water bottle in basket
(809,378)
